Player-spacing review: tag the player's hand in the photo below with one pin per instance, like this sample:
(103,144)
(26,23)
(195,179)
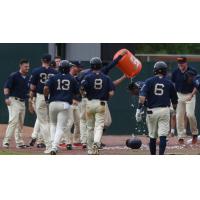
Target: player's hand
(138,115)
(74,102)
(124,52)
(189,98)
(30,107)
(8,102)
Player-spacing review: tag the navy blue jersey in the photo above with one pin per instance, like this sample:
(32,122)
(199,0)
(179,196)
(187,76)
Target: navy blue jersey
(139,84)
(180,81)
(62,87)
(39,77)
(18,85)
(105,69)
(197,82)
(97,86)
(159,92)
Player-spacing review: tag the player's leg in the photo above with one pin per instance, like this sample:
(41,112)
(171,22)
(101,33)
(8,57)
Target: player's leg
(90,122)
(60,127)
(99,123)
(18,133)
(13,111)
(163,127)
(42,115)
(83,127)
(76,135)
(53,112)
(180,113)
(152,125)
(190,113)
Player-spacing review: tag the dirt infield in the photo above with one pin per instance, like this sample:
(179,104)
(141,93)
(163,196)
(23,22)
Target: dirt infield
(115,145)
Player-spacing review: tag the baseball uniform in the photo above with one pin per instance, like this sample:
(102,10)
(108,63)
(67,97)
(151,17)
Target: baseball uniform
(38,79)
(62,89)
(97,87)
(18,87)
(184,90)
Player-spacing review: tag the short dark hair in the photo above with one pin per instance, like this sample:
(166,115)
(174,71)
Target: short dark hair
(23,61)
(57,57)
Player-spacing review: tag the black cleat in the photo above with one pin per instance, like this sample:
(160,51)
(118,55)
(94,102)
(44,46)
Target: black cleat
(69,147)
(53,152)
(32,143)
(41,145)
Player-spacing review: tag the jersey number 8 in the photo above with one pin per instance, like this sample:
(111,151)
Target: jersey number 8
(98,84)
(158,90)
(63,84)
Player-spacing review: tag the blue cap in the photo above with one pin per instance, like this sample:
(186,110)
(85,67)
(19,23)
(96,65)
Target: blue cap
(46,58)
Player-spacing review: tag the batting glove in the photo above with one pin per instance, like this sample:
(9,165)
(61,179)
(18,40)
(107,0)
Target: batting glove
(138,115)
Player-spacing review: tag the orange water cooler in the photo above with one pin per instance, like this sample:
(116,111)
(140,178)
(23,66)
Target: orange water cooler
(128,64)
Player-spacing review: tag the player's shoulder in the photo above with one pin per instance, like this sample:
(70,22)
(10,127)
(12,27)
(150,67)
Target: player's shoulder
(13,74)
(37,70)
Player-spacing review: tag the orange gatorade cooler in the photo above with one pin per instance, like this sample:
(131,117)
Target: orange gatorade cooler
(128,64)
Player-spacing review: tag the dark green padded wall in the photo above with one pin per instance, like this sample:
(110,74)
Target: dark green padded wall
(10,54)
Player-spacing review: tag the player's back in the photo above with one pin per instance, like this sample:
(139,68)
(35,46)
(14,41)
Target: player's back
(39,77)
(62,87)
(159,92)
(97,86)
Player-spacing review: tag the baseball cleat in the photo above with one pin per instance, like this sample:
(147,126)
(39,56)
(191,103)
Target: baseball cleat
(84,146)
(47,151)
(63,146)
(77,145)
(95,149)
(53,152)
(32,143)
(69,147)
(41,145)
(23,146)
(6,145)
(194,139)
(181,141)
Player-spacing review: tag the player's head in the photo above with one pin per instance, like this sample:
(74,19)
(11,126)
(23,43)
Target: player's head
(96,63)
(53,64)
(134,88)
(76,68)
(65,66)
(160,68)
(182,63)
(46,59)
(57,60)
(24,66)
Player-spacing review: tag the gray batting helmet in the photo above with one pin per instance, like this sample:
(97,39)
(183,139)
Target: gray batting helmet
(96,63)
(65,66)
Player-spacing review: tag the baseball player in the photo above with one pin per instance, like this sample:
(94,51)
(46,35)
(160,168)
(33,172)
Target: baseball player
(98,89)
(187,99)
(105,70)
(61,89)
(159,92)
(16,92)
(37,81)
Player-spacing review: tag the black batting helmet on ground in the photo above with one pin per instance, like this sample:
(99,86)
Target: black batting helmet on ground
(160,67)
(65,66)
(96,63)
(133,143)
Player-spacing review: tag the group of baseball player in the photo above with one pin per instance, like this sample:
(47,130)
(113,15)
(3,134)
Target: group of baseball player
(166,98)
(72,110)
(70,103)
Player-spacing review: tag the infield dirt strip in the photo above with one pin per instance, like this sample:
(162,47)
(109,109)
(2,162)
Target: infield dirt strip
(115,145)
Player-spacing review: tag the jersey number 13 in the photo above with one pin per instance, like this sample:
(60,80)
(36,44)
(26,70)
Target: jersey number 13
(63,84)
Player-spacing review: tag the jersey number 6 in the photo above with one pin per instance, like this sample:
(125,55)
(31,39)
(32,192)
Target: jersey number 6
(158,90)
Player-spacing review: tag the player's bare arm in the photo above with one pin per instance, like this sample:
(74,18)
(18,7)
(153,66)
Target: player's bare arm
(118,81)
(46,91)
(7,93)
(192,94)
